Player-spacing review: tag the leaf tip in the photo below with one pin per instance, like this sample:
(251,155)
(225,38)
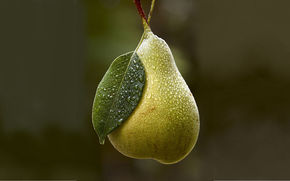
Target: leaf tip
(102,140)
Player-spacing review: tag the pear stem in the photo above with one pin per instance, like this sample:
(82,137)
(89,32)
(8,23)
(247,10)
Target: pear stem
(140,11)
(151,11)
(145,22)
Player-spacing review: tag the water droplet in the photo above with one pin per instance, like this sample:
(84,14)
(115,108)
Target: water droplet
(140,78)
(120,120)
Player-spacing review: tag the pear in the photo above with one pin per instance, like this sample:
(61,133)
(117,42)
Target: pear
(165,124)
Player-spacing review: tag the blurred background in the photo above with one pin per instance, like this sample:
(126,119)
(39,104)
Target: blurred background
(234,55)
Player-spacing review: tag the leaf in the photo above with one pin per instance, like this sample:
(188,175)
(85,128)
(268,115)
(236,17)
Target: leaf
(118,94)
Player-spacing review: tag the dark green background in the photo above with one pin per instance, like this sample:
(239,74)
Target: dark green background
(234,55)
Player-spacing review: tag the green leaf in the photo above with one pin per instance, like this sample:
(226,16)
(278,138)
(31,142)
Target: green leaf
(118,94)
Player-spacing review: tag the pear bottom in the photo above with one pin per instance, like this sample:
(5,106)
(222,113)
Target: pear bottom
(148,136)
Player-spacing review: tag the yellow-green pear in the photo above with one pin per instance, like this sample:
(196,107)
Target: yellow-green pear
(165,124)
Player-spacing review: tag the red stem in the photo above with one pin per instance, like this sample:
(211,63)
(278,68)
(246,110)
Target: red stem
(140,9)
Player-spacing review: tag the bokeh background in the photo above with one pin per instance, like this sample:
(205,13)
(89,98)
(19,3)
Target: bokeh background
(234,55)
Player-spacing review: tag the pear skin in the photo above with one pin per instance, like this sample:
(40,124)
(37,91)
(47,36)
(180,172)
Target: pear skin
(165,124)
